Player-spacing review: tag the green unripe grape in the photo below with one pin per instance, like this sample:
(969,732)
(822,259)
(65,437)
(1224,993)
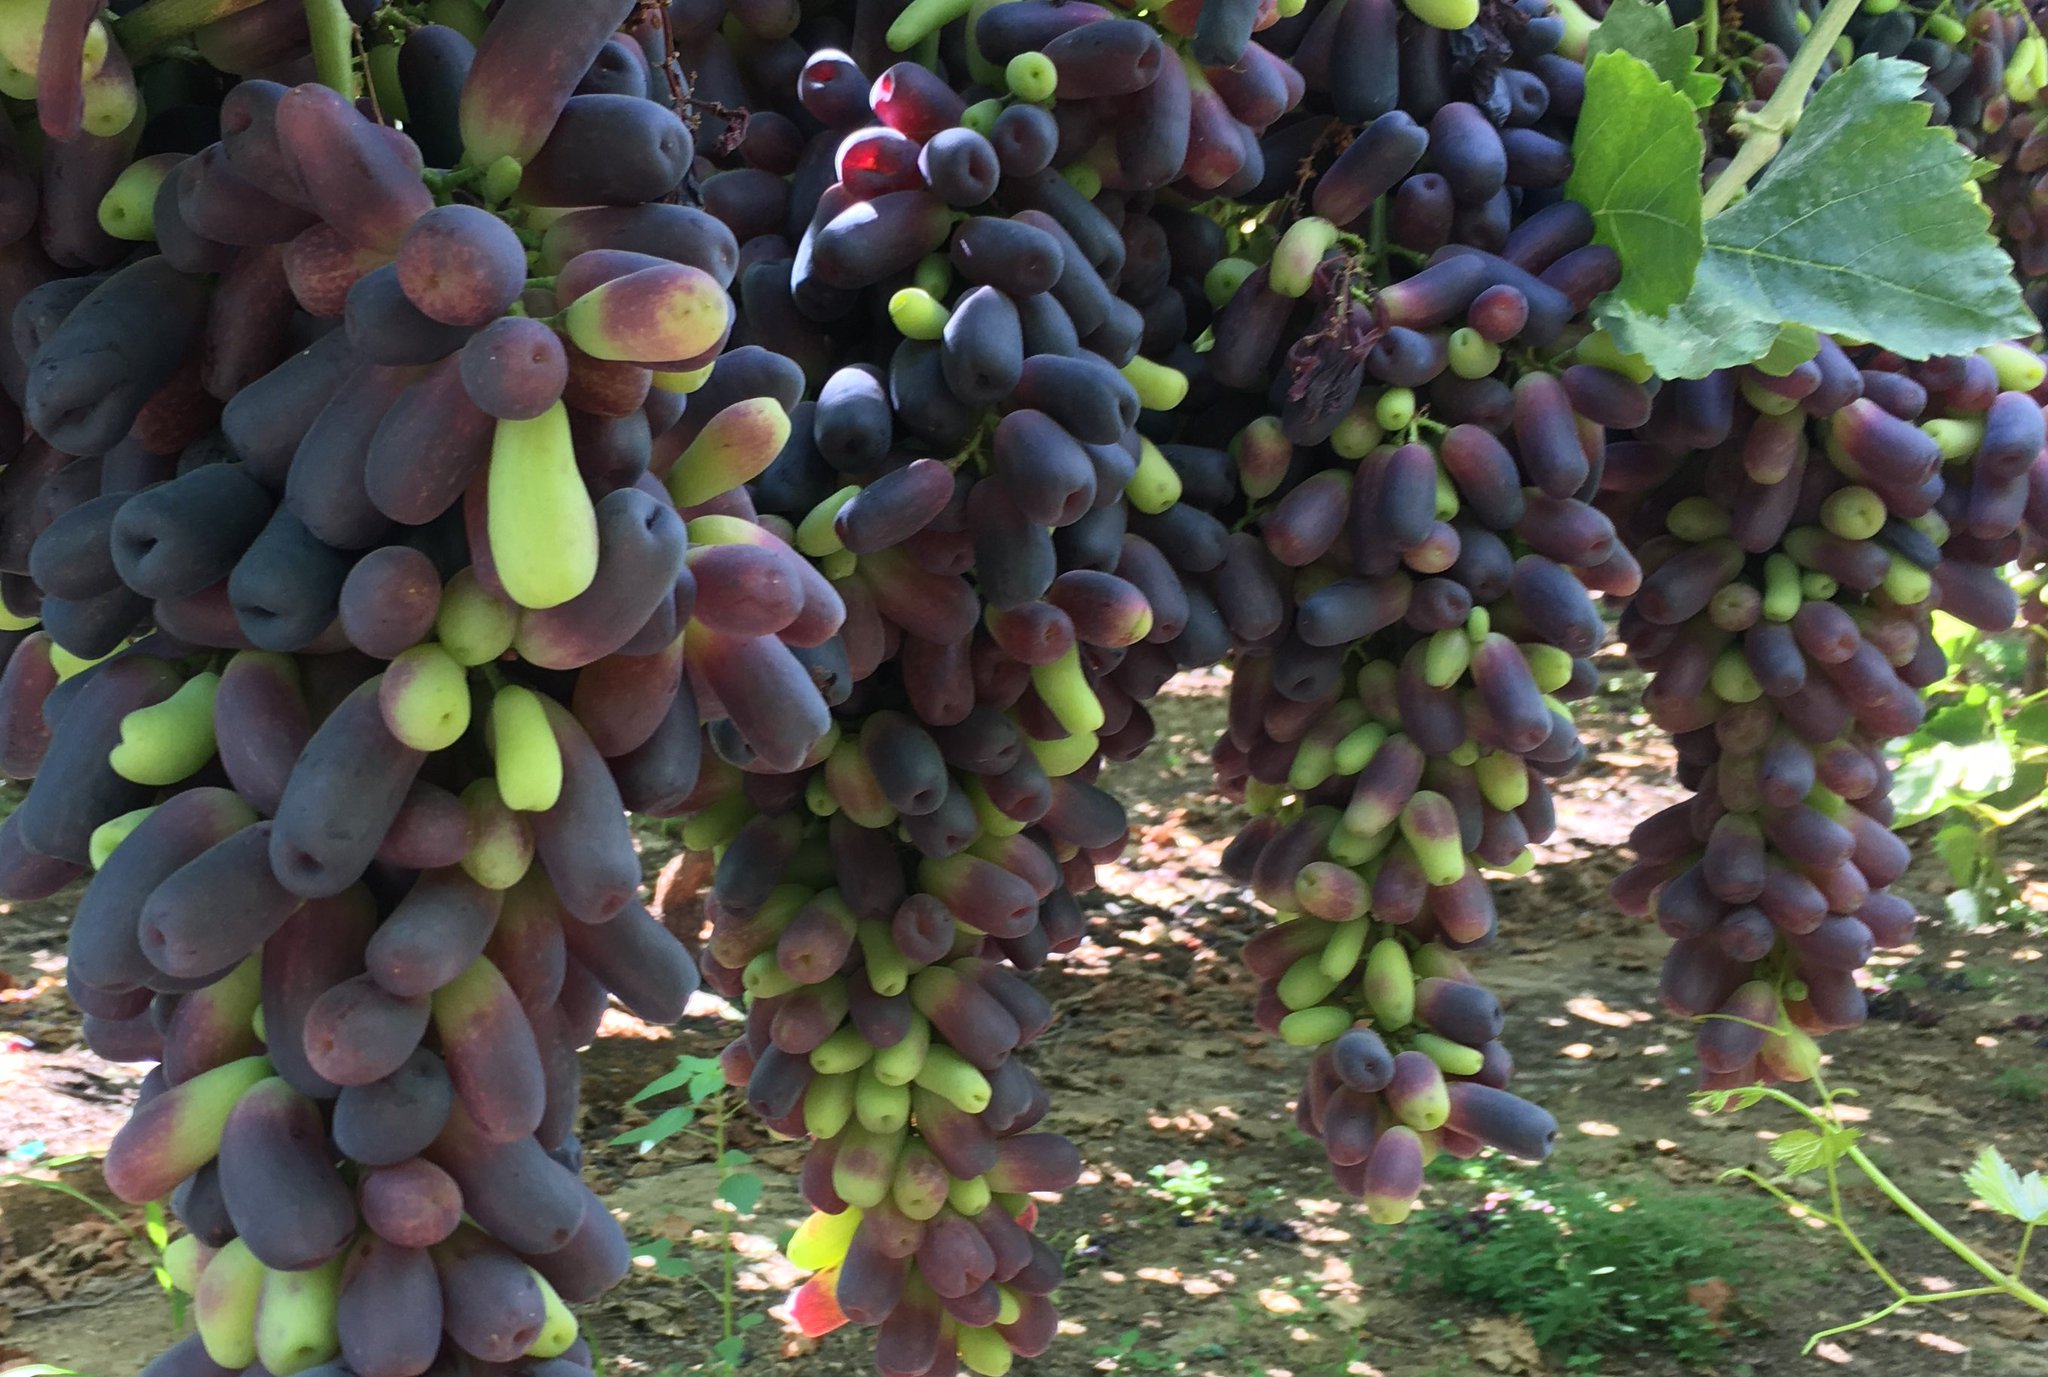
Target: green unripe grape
(1314,1027)
(1396,409)
(1853,513)
(1032,77)
(1083,179)
(952,1078)
(1389,986)
(981,116)
(970,1196)
(934,274)
(1296,256)
(1503,780)
(845,1050)
(1306,984)
(111,833)
(917,314)
(1062,756)
(1447,505)
(128,210)
(1549,665)
(1449,653)
(1358,433)
(1451,1058)
(1766,401)
(1732,679)
(1817,586)
(880,1108)
(1697,519)
(1957,438)
(501,841)
(1472,355)
(529,762)
(474,625)
(164,742)
(501,179)
(1479,625)
(425,697)
(1782,593)
(558,1326)
(1445,14)
(2019,368)
(900,1062)
(1222,280)
(1155,484)
(1464,754)
(1907,584)
(1159,387)
(382,62)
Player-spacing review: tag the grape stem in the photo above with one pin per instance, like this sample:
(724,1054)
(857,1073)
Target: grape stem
(150,28)
(1766,130)
(1825,1119)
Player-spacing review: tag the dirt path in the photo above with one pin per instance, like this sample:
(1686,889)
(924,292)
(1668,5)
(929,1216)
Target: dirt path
(1153,1063)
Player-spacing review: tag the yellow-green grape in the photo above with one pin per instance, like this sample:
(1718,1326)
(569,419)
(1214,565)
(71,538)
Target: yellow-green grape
(540,523)
(879,1108)
(1358,747)
(984,1352)
(969,1197)
(1395,409)
(1766,401)
(1451,1058)
(501,179)
(1697,519)
(934,273)
(1782,593)
(1159,387)
(1447,504)
(1223,279)
(1907,584)
(1429,824)
(667,311)
(128,210)
(821,1240)
(21,40)
(1471,354)
(1349,848)
(1956,439)
(683,383)
(1357,434)
(1154,485)
(1732,679)
(224,1309)
(1305,984)
(425,697)
(529,761)
(845,1050)
(1083,179)
(1287,9)
(1464,754)
(917,314)
(1445,14)
(1503,780)
(1297,255)
(817,535)
(295,1317)
(1064,686)
(953,1079)
(558,1326)
(500,840)
(164,742)
(1314,1027)
(1032,77)
(735,447)
(1342,952)
(721,822)
(2019,368)
(184,1258)
(1549,665)
(474,625)
(2020,81)
(1599,348)
(764,978)
(1818,587)
(1389,985)
(111,833)
(828,1104)
(919,20)
(981,116)
(10,620)
(1447,657)
(1853,513)
(901,1061)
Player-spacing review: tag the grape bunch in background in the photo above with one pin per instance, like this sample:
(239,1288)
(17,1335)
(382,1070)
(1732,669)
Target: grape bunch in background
(1797,530)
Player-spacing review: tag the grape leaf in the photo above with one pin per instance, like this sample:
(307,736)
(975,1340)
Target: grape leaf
(1864,225)
(2024,1198)
(1636,167)
(1801,1150)
(1671,51)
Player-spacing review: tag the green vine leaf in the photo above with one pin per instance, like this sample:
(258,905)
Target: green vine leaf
(1865,225)
(742,1191)
(1801,1150)
(1671,51)
(2024,1198)
(1636,166)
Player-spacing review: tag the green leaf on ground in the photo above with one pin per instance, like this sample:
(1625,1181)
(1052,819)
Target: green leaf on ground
(1865,225)
(1672,51)
(2024,1198)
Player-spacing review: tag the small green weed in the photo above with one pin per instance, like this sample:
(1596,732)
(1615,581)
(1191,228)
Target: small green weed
(1590,1271)
(2019,1085)
(1126,1354)
(1190,1187)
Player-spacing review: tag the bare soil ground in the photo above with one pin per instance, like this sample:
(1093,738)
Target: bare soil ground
(1154,1062)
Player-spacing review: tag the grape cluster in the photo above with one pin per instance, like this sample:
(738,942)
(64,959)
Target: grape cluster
(352,605)
(1406,595)
(1797,530)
